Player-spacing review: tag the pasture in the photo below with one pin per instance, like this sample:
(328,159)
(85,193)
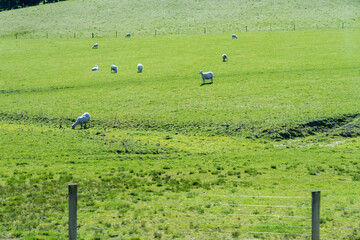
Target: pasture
(143,17)
(167,157)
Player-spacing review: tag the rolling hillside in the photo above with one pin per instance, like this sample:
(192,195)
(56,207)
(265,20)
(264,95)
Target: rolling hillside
(167,157)
(142,17)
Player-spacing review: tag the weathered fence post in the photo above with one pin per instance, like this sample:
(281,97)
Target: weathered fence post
(204,30)
(246,28)
(294,27)
(315,203)
(155,32)
(72,211)
(74,35)
(92,35)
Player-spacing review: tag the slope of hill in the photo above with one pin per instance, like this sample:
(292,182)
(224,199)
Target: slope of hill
(143,17)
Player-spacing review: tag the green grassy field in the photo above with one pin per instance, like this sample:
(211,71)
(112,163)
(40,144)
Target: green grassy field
(143,17)
(272,78)
(168,158)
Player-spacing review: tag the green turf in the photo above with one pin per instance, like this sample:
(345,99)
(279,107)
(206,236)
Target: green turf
(143,17)
(168,158)
(271,78)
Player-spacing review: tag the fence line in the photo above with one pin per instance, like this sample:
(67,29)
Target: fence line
(315,217)
(275,206)
(228,214)
(216,230)
(219,224)
(200,30)
(216,218)
(231,204)
(216,195)
(213,195)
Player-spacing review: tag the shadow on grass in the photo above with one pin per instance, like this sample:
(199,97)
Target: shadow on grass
(205,84)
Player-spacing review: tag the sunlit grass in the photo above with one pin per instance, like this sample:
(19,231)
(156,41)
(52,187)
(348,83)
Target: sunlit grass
(166,157)
(107,17)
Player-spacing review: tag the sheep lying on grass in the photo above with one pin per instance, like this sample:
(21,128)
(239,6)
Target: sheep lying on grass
(95,46)
(95,68)
(224,57)
(114,68)
(140,67)
(234,36)
(207,75)
(128,35)
(83,119)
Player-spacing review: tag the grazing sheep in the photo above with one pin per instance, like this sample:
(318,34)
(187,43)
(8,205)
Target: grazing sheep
(83,119)
(128,35)
(224,57)
(234,36)
(95,68)
(207,75)
(140,67)
(95,46)
(114,69)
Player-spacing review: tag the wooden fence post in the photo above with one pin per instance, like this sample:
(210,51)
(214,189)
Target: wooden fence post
(204,30)
(155,32)
(72,211)
(74,35)
(92,35)
(246,28)
(315,205)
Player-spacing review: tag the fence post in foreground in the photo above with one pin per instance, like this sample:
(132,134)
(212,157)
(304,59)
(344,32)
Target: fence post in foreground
(92,35)
(72,211)
(315,205)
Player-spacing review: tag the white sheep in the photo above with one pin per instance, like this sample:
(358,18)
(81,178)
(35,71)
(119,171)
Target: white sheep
(96,45)
(114,68)
(140,67)
(95,68)
(207,75)
(234,36)
(127,35)
(224,57)
(83,119)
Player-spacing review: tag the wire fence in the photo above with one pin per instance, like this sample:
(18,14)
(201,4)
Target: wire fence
(67,34)
(44,213)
